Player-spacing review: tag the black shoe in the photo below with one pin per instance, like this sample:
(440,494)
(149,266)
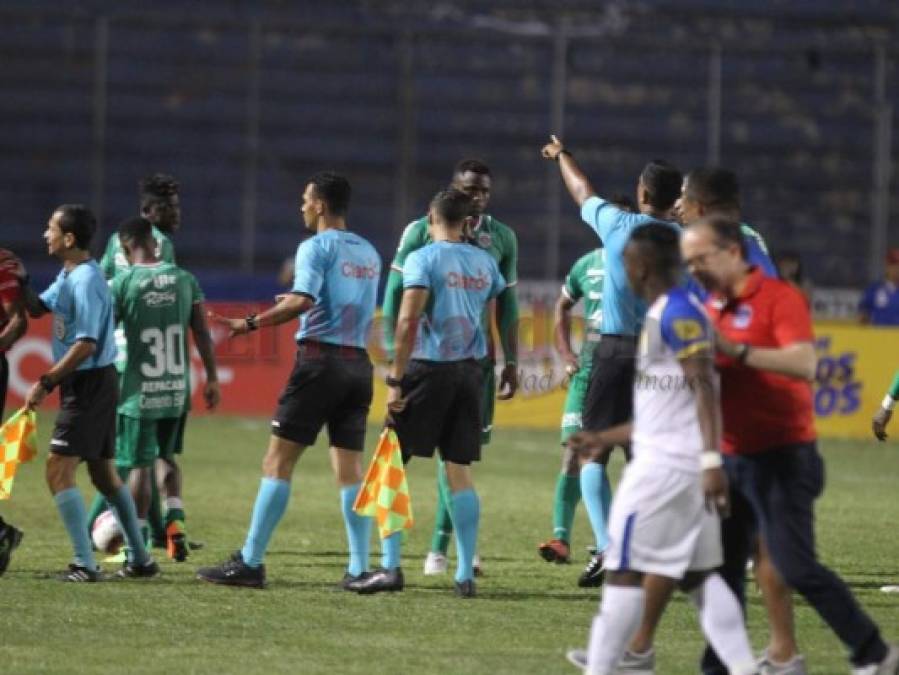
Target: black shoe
(10,538)
(234,572)
(465,589)
(79,574)
(195,545)
(349,579)
(379,580)
(132,570)
(593,573)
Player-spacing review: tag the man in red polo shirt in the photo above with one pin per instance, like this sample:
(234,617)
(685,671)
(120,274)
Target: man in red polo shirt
(767,361)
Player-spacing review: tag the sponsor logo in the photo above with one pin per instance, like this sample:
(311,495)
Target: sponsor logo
(59,327)
(354,271)
(484,239)
(59,442)
(160,298)
(478,283)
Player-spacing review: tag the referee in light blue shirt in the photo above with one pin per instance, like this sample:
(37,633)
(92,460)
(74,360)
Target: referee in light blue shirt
(83,354)
(334,293)
(609,397)
(435,381)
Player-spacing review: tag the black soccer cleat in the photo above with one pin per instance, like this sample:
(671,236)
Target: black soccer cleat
(79,574)
(234,572)
(465,589)
(378,581)
(349,579)
(10,538)
(133,570)
(593,573)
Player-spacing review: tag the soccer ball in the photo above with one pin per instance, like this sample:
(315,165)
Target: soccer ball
(106,534)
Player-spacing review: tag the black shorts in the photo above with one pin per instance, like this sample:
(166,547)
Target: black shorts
(85,426)
(610,394)
(443,410)
(329,385)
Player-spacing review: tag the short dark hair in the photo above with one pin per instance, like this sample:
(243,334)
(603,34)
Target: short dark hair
(77,220)
(714,188)
(661,245)
(334,190)
(624,202)
(138,230)
(157,187)
(451,206)
(662,181)
(727,231)
(472,166)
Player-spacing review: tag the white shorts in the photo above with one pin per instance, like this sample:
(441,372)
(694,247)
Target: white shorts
(659,523)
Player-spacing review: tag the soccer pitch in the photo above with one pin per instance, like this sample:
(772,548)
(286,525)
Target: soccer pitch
(527,613)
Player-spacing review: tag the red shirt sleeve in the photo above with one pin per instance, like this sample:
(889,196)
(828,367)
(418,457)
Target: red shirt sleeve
(791,319)
(9,287)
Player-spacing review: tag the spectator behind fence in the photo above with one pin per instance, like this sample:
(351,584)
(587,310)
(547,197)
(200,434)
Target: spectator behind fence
(879,305)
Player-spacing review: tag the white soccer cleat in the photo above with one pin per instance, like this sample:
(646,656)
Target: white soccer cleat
(435,564)
(476,565)
(889,589)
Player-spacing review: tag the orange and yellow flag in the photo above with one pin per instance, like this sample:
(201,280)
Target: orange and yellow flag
(18,444)
(384,494)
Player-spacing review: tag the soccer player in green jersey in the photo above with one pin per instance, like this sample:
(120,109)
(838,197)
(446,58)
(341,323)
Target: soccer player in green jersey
(157,303)
(584,282)
(473,178)
(161,205)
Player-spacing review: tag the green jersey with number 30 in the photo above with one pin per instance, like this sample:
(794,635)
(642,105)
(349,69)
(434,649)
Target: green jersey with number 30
(584,282)
(154,304)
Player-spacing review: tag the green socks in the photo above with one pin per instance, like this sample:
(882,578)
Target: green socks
(443,525)
(568,494)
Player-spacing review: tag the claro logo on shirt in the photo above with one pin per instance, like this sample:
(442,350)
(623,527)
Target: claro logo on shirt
(478,283)
(353,271)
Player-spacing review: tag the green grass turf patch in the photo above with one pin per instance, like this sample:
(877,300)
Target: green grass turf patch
(527,613)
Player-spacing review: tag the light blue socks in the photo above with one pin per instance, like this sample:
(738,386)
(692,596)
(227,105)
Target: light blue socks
(358,530)
(466,515)
(390,551)
(597,495)
(74,517)
(271,502)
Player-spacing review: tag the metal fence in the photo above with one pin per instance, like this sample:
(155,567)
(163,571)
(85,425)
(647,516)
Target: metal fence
(242,109)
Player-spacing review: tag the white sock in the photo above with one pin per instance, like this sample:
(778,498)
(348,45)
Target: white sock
(723,625)
(618,619)
(173,503)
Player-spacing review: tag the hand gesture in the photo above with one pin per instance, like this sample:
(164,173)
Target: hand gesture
(395,404)
(552,149)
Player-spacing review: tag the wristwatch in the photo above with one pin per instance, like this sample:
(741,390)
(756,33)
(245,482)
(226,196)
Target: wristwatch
(251,322)
(742,352)
(46,383)
(393,382)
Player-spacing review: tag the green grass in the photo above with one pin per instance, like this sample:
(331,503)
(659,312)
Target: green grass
(526,615)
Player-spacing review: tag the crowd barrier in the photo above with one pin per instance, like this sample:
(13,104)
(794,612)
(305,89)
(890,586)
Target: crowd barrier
(855,365)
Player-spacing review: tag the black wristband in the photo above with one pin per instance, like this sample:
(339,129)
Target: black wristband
(563,152)
(251,322)
(46,383)
(393,382)
(743,353)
